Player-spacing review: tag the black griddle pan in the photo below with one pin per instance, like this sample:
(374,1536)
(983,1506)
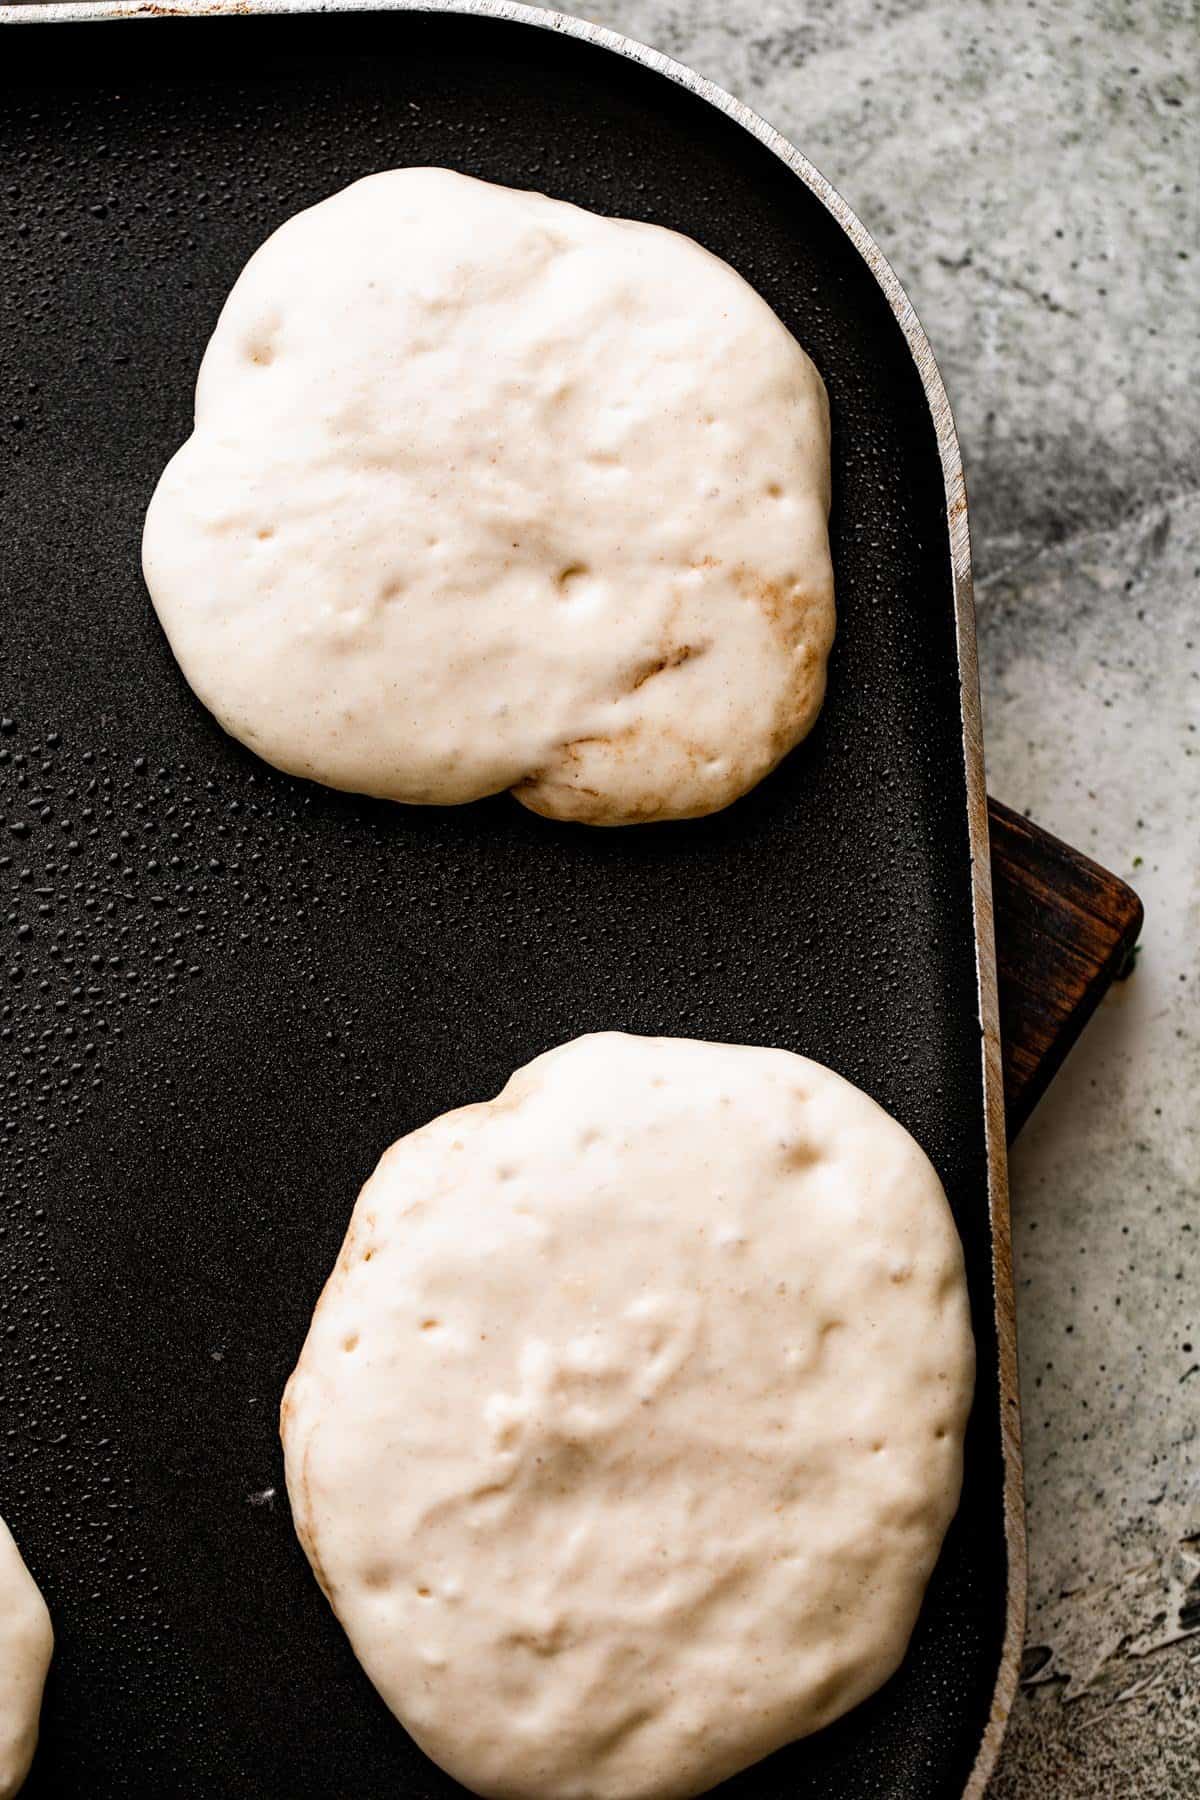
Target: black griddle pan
(223,992)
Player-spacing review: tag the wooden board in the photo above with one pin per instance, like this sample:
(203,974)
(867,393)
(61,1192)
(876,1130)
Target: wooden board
(1065,930)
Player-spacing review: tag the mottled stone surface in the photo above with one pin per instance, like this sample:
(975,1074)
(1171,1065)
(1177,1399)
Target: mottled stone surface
(1030,171)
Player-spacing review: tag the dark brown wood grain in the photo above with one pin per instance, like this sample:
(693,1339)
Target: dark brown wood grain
(1065,929)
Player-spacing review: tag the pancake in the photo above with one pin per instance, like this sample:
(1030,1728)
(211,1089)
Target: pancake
(486,491)
(630,1421)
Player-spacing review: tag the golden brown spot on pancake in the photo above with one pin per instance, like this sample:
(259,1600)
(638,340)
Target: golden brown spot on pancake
(782,603)
(672,660)
(555,791)
(792,610)
(557,795)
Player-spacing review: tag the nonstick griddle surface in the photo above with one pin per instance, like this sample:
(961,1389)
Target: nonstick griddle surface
(224,992)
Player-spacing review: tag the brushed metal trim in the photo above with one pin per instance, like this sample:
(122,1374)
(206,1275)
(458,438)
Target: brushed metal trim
(107,11)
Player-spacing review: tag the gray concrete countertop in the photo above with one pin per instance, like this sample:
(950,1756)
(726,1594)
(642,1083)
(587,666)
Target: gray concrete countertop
(1031,172)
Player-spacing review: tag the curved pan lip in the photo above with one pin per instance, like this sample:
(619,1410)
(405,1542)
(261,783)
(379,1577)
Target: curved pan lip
(96,11)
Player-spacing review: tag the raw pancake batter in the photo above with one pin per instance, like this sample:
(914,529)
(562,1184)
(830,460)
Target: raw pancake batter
(486,491)
(630,1421)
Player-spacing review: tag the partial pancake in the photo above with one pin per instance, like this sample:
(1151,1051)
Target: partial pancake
(26,1645)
